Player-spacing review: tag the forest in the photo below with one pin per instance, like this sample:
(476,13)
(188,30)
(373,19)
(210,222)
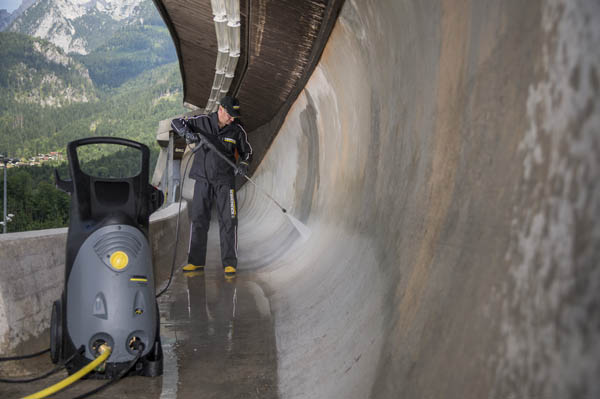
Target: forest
(36,203)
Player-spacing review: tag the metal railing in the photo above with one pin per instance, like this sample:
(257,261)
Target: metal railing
(7,216)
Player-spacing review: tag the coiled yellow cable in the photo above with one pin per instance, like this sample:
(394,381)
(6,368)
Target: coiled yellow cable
(72,378)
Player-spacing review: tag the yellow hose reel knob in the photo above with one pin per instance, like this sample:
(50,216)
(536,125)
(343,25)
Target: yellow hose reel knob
(119,260)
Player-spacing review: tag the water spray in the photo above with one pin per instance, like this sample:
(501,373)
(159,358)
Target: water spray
(301,227)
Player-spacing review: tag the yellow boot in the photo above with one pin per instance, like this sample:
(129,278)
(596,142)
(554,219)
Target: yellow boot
(190,268)
(229,271)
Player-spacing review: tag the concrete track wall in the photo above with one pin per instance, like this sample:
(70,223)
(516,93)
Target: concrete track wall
(446,156)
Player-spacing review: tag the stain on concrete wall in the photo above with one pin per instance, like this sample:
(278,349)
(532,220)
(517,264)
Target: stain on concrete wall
(454,250)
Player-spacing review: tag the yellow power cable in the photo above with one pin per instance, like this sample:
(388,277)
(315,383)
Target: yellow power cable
(72,378)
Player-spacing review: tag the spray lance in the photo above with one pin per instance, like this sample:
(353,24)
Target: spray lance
(183,130)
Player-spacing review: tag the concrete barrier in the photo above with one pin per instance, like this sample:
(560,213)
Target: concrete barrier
(31,279)
(162,238)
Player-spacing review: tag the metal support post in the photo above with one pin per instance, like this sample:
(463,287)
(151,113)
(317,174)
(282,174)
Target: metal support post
(170,189)
(5,184)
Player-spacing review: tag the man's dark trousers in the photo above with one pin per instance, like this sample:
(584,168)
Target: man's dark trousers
(225,198)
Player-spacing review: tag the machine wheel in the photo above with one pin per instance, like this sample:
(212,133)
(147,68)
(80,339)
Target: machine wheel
(56,332)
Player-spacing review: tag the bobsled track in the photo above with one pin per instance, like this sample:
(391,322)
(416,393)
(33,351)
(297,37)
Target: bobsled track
(446,157)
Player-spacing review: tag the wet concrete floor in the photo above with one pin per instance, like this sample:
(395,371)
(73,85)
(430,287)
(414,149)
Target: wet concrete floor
(223,337)
(218,341)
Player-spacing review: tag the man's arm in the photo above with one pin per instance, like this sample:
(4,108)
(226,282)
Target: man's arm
(200,124)
(181,128)
(195,129)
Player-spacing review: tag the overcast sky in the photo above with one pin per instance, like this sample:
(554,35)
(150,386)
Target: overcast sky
(9,5)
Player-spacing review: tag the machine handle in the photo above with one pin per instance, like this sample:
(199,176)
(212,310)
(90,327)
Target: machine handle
(64,185)
(107,140)
(74,159)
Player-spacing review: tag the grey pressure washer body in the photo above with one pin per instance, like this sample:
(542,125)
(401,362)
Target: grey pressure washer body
(109,293)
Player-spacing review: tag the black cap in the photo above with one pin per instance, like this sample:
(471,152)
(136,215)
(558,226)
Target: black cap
(232,105)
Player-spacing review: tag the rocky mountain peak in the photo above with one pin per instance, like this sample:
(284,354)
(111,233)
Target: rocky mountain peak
(46,76)
(76,26)
(116,9)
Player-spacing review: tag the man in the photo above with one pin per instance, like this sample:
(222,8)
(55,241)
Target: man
(215,181)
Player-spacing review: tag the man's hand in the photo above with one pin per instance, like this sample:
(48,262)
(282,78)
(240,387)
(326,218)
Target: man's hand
(180,127)
(241,169)
(191,138)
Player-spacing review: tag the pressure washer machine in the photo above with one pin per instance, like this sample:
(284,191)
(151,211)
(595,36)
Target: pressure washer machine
(109,292)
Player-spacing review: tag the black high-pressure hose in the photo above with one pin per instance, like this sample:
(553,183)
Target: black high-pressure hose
(31,379)
(191,138)
(177,228)
(197,138)
(42,376)
(6,359)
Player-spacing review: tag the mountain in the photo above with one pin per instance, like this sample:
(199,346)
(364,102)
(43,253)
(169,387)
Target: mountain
(38,83)
(132,50)
(5,19)
(80,26)
(123,86)
(25,4)
(35,72)
(48,99)
(115,39)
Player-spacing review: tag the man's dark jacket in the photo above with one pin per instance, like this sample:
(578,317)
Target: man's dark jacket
(208,165)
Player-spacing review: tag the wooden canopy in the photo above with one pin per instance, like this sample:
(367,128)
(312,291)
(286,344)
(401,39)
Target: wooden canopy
(281,42)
